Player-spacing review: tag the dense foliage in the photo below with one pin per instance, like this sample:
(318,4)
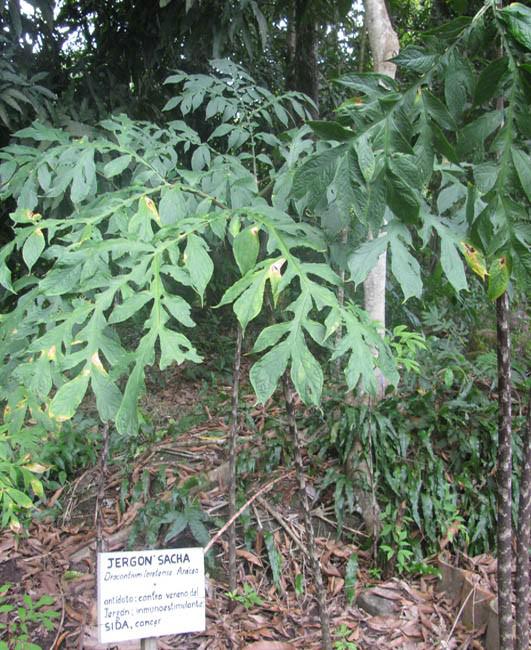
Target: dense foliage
(120,226)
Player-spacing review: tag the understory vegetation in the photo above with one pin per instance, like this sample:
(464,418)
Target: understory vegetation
(228,231)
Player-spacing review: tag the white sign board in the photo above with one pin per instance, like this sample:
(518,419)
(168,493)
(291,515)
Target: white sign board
(145,594)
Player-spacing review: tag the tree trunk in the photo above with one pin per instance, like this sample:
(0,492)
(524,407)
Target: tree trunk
(504,474)
(303,74)
(384,45)
(522,541)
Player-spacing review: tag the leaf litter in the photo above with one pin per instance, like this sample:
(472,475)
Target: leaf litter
(58,557)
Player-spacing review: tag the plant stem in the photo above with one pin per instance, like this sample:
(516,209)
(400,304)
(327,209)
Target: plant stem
(98,515)
(504,473)
(522,541)
(232,457)
(303,495)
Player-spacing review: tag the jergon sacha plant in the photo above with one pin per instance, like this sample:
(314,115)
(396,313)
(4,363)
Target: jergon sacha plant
(124,221)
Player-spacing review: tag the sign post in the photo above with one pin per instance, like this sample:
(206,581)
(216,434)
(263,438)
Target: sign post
(146,594)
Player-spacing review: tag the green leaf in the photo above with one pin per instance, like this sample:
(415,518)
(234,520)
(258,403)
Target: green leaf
(238,137)
(236,289)
(402,199)
(198,263)
(331,130)
(266,372)
(172,206)
(459,82)
(306,372)
(221,131)
(84,177)
(275,558)
(368,83)
(201,158)
(249,304)
(438,111)
(179,309)
(127,416)
(472,137)
(364,259)
(44,176)
(33,247)
(498,278)
(22,500)
(129,307)
(175,347)
(416,59)
(517,17)
(178,524)
(270,336)
(406,269)
(246,246)
(489,80)
(366,158)
(108,396)
(281,113)
(199,531)
(522,163)
(485,175)
(116,166)
(351,577)
(452,265)
(316,174)
(69,397)
(443,145)
(451,29)
(41,381)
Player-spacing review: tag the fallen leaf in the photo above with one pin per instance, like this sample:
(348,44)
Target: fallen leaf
(269,645)
(250,557)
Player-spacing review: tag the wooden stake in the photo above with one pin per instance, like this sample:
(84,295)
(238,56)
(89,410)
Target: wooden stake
(148,644)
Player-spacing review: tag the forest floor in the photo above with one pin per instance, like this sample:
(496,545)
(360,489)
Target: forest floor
(58,556)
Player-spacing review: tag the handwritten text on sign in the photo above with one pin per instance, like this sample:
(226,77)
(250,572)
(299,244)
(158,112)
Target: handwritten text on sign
(144,594)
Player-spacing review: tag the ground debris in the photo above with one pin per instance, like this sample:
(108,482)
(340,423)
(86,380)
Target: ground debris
(57,558)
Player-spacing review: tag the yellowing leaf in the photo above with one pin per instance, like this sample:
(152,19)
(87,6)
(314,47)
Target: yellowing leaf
(37,468)
(152,209)
(498,278)
(274,276)
(475,260)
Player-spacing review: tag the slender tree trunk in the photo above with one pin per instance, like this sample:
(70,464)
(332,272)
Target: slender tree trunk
(522,541)
(384,45)
(504,474)
(303,495)
(233,456)
(303,74)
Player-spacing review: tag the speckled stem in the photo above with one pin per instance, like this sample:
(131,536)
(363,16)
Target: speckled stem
(232,457)
(522,541)
(504,474)
(303,495)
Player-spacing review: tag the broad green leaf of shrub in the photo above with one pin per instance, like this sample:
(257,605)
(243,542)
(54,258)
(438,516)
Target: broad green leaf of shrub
(198,263)
(33,248)
(69,396)
(245,246)
(517,17)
